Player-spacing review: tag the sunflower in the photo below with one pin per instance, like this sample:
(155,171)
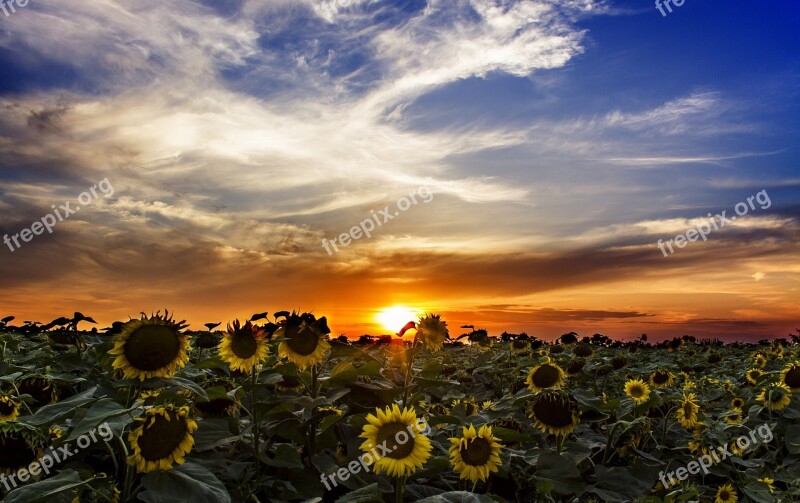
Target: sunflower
(759,361)
(19,446)
(661,378)
(162,438)
(637,390)
(737,403)
(575,366)
(220,407)
(545,375)
(243,346)
(753,375)
(520,346)
(305,342)
(790,376)
(687,411)
(726,494)
(476,454)
(151,347)
(770,482)
(554,413)
(432,331)
(9,409)
(400,431)
(733,416)
(41,389)
(469,405)
(583,350)
(55,432)
(776,396)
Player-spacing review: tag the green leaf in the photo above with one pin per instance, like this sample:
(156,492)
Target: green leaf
(286,456)
(100,412)
(368,494)
(187,482)
(51,413)
(561,471)
(42,491)
(457,497)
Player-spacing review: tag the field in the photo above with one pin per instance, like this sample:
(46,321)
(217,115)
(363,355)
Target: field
(280,411)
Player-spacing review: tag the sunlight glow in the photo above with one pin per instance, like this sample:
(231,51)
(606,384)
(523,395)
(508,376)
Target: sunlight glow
(395,317)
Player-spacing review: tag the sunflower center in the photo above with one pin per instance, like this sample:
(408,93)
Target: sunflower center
(775,396)
(389,433)
(304,342)
(660,377)
(477,452)
(688,410)
(636,391)
(545,376)
(553,412)
(15,452)
(162,437)
(152,347)
(6,408)
(792,378)
(244,346)
(39,389)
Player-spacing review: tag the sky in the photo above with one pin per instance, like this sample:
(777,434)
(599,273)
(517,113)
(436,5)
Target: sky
(519,162)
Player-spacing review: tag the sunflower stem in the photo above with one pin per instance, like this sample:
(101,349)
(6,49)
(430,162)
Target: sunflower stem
(256,433)
(399,489)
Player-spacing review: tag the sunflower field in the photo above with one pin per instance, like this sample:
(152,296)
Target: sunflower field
(276,410)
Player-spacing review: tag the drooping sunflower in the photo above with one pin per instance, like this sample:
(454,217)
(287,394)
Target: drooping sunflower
(790,376)
(575,366)
(637,390)
(408,448)
(776,396)
(19,446)
(662,378)
(520,346)
(544,376)
(42,389)
(162,438)
(753,375)
(151,347)
(583,350)
(476,454)
(688,411)
(243,346)
(304,340)
(219,407)
(554,413)
(432,331)
(9,408)
(733,416)
(726,494)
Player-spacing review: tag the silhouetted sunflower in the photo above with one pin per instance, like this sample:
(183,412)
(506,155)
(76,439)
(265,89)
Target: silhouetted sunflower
(583,350)
(545,375)
(20,445)
(408,448)
(637,390)
(162,438)
(243,346)
(790,376)
(476,454)
(575,366)
(520,346)
(432,331)
(776,396)
(662,378)
(9,409)
(554,413)
(304,343)
(151,347)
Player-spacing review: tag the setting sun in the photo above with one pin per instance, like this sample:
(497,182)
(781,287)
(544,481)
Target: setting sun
(394,318)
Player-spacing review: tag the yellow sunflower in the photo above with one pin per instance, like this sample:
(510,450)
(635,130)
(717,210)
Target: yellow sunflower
(476,454)
(753,375)
(554,413)
(9,409)
(737,403)
(759,360)
(662,378)
(688,410)
(243,346)
(151,347)
(733,416)
(790,376)
(432,331)
(776,396)
(545,375)
(400,432)
(726,494)
(304,342)
(162,438)
(770,482)
(637,390)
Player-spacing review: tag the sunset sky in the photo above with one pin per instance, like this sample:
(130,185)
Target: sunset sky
(559,141)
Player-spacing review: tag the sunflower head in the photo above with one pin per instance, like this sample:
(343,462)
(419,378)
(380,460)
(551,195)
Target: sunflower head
(476,454)
(41,388)
(790,376)
(401,432)
(737,403)
(553,412)
(734,416)
(637,390)
(662,378)
(219,407)
(432,331)
(9,408)
(19,446)
(304,339)
(776,396)
(583,350)
(544,376)
(243,346)
(688,411)
(759,360)
(161,439)
(575,366)
(726,494)
(520,346)
(206,339)
(753,375)
(154,346)
(770,482)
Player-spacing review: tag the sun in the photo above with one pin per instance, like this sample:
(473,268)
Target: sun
(394,318)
